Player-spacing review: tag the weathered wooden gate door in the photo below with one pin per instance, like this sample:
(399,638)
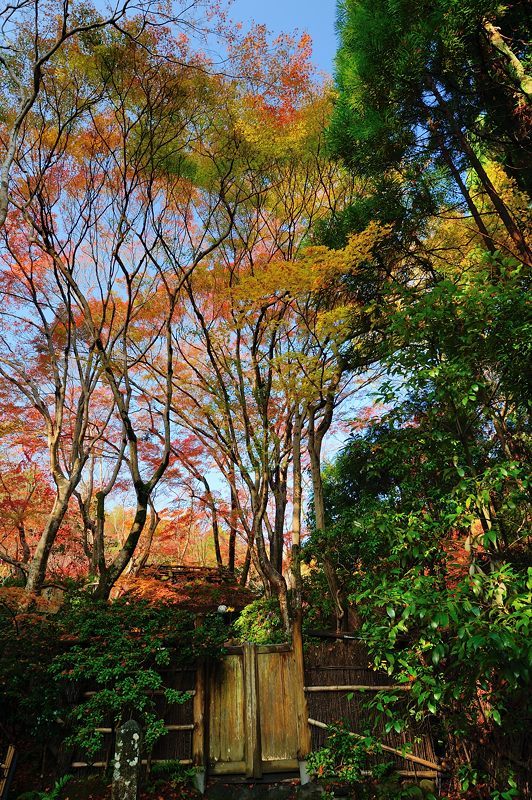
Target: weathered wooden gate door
(257,718)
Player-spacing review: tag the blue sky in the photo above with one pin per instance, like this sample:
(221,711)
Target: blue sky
(316,17)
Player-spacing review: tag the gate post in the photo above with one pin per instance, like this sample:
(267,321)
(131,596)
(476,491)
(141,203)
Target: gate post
(305,741)
(199,737)
(251,700)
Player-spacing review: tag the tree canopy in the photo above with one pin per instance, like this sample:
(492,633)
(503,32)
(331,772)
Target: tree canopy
(254,320)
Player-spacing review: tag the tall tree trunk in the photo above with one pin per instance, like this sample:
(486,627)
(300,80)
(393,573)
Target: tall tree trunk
(315,441)
(233,526)
(38,564)
(247,564)
(500,207)
(143,559)
(98,544)
(214,517)
(276,550)
(296,518)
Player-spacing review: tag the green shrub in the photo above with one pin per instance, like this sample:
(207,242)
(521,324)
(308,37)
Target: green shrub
(171,772)
(30,702)
(53,794)
(260,622)
(343,760)
(119,651)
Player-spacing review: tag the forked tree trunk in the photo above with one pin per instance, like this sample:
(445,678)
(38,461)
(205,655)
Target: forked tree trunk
(274,578)
(141,562)
(108,578)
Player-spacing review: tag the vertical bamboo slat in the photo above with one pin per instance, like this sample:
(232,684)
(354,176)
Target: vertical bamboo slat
(253,748)
(305,736)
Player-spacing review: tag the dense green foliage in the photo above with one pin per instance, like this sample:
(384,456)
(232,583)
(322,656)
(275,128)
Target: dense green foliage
(117,651)
(260,622)
(344,760)
(428,505)
(428,510)
(414,77)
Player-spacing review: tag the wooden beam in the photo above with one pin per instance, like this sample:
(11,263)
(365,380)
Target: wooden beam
(188,727)
(408,756)
(198,737)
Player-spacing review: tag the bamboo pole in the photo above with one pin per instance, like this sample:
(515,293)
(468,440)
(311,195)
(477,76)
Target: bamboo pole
(97,764)
(304,735)
(251,713)
(356,688)
(407,756)
(161,692)
(189,727)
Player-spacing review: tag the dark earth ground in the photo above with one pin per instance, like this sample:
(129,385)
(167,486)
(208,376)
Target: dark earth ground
(94,788)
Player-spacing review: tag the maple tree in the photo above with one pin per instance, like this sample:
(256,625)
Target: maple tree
(201,264)
(35,36)
(198,196)
(64,244)
(244,401)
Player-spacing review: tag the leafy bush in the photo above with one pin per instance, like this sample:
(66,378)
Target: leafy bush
(318,609)
(170,772)
(118,652)
(29,639)
(343,760)
(53,794)
(260,622)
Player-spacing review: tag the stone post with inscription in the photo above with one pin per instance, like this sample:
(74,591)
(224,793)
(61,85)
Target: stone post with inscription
(126,764)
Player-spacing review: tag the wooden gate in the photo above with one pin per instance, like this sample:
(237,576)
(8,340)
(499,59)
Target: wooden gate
(255,717)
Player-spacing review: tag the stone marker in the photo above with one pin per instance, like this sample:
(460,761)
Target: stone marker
(304,777)
(126,762)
